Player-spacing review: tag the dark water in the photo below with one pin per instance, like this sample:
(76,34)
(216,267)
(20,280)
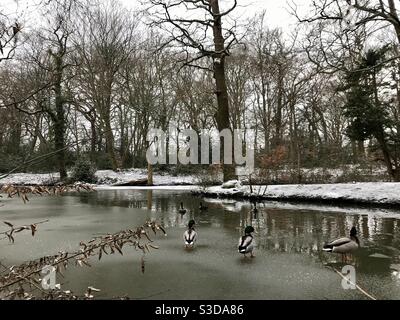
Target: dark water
(289,263)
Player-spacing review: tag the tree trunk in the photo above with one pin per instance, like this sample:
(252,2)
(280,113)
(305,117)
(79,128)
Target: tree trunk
(93,140)
(395,19)
(380,137)
(279,107)
(15,135)
(222,116)
(36,134)
(149,174)
(266,113)
(361,150)
(59,124)
(149,171)
(354,149)
(110,142)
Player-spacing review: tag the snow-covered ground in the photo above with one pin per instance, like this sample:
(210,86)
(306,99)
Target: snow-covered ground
(319,175)
(30,178)
(369,193)
(105,177)
(109,177)
(166,188)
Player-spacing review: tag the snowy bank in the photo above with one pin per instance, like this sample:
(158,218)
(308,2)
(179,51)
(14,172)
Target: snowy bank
(109,177)
(105,177)
(382,194)
(158,188)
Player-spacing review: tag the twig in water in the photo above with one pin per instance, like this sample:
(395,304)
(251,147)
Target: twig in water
(153,295)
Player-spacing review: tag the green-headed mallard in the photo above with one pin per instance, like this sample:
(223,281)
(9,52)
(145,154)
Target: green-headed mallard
(344,245)
(190,235)
(246,243)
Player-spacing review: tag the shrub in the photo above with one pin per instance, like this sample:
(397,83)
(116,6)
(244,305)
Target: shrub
(212,176)
(84,171)
(103,161)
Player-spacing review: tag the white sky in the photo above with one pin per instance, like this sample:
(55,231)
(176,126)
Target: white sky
(277,14)
(276,10)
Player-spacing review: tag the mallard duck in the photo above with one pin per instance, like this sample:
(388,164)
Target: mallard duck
(246,243)
(182,210)
(202,207)
(190,235)
(344,245)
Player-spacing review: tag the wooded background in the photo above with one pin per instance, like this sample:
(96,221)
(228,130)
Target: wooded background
(92,77)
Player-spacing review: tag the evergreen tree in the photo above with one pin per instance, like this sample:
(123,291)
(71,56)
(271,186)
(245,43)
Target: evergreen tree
(367,115)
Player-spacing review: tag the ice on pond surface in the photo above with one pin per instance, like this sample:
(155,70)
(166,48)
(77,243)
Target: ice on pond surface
(289,262)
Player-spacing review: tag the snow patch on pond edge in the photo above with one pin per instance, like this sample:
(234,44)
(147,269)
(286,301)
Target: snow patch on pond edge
(357,193)
(164,188)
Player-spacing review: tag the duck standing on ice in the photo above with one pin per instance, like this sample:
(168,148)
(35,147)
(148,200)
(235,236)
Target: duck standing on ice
(190,235)
(344,246)
(246,243)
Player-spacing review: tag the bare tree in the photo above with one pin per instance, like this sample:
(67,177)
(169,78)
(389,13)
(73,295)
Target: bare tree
(9,33)
(201,36)
(104,45)
(56,40)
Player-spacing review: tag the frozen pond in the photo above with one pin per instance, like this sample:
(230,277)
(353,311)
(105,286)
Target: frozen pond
(289,263)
